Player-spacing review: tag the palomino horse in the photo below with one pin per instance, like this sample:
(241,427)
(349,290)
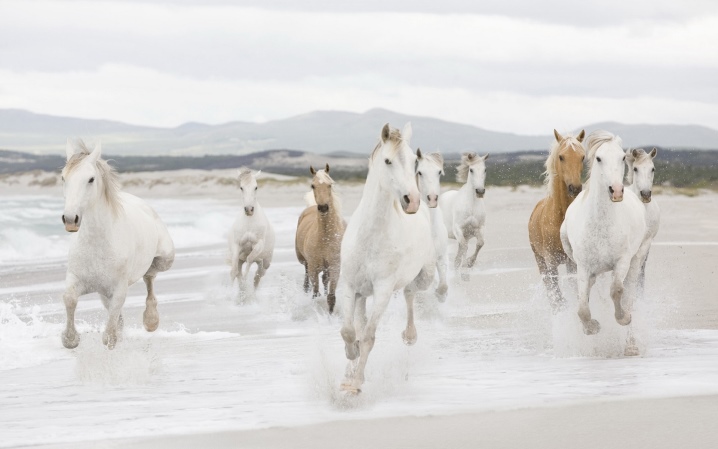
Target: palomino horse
(563,179)
(251,239)
(603,231)
(384,249)
(429,170)
(639,176)
(120,239)
(463,209)
(319,236)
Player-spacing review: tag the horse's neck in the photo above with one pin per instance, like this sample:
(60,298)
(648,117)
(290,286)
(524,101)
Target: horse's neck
(98,221)
(376,208)
(330,221)
(559,196)
(601,205)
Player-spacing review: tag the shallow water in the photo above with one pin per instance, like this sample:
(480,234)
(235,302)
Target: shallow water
(223,359)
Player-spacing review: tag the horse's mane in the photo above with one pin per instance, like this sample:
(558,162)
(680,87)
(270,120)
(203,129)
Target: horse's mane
(593,143)
(467,160)
(336,199)
(245,175)
(110,180)
(550,163)
(395,139)
(435,158)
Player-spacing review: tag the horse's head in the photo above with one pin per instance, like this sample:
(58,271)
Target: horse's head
(82,183)
(472,170)
(393,162)
(641,171)
(248,187)
(322,188)
(568,161)
(429,170)
(607,164)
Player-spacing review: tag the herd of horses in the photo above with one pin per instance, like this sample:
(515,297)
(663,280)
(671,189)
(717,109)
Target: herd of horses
(397,237)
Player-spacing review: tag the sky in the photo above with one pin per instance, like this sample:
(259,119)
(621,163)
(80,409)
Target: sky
(521,66)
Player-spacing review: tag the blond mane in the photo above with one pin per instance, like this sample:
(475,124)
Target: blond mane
(593,143)
(323,177)
(395,139)
(550,163)
(467,160)
(435,158)
(108,175)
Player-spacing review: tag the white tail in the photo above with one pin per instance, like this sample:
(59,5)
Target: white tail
(309,199)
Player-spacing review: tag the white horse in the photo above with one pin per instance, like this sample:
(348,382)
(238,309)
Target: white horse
(639,176)
(120,239)
(463,209)
(429,170)
(251,239)
(603,231)
(384,250)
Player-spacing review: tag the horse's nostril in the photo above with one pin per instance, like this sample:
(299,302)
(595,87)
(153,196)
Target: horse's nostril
(63,219)
(428,197)
(77,219)
(406,199)
(610,189)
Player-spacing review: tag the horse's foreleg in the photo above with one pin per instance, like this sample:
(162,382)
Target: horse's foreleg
(381,300)
(253,256)
(325,278)
(314,278)
(151,317)
(443,287)
(306,277)
(620,272)
(409,334)
(348,332)
(479,244)
(117,300)
(462,247)
(236,268)
(261,269)
(585,282)
(70,337)
(333,277)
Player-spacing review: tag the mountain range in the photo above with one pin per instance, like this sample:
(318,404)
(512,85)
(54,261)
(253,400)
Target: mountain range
(322,132)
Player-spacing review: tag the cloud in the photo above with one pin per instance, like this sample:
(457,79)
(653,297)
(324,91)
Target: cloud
(167,62)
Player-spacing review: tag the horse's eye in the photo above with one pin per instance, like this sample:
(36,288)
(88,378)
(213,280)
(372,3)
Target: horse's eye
(91,180)
(598,159)
(418,173)
(560,158)
(583,158)
(312,186)
(471,170)
(242,189)
(440,173)
(63,178)
(635,169)
(256,187)
(624,158)
(653,169)
(387,161)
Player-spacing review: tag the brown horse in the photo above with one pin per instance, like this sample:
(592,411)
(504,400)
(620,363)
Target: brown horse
(563,178)
(319,236)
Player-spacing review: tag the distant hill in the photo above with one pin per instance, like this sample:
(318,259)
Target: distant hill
(322,132)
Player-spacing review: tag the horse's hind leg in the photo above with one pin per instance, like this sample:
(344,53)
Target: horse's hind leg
(585,282)
(549,275)
(70,337)
(306,277)
(479,244)
(262,266)
(325,278)
(151,317)
(443,287)
(117,300)
(620,271)
(333,277)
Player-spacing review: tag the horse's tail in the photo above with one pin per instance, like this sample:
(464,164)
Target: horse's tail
(309,199)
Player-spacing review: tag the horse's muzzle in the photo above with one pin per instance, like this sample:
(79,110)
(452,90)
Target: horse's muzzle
(249,211)
(480,193)
(72,224)
(410,203)
(432,200)
(616,193)
(323,208)
(573,190)
(646,196)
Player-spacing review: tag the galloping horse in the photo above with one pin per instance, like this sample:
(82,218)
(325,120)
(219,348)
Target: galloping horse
(384,250)
(639,176)
(120,239)
(463,209)
(319,236)
(429,170)
(563,179)
(251,239)
(603,231)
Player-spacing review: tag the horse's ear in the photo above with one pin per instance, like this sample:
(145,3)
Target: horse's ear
(256,175)
(470,156)
(581,135)
(312,171)
(653,152)
(418,153)
(485,157)
(69,149)
(96,153)
(406,132)
(558,136)
(634,153)
(385,132)
(326,168)
(439,158)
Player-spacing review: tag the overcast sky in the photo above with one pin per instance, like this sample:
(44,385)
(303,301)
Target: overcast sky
(520,66)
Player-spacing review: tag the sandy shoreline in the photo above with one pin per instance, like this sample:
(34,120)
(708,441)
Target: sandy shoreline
(686,422)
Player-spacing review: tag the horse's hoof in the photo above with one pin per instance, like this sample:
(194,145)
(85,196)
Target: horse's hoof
(441,297)
(109,340)
(558,306)
(410,339)
(591,327)
(151,320)
(331,300)
(352,350)
(624,320)
(349,388)
(465,277)
(70,341)
(631,351)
